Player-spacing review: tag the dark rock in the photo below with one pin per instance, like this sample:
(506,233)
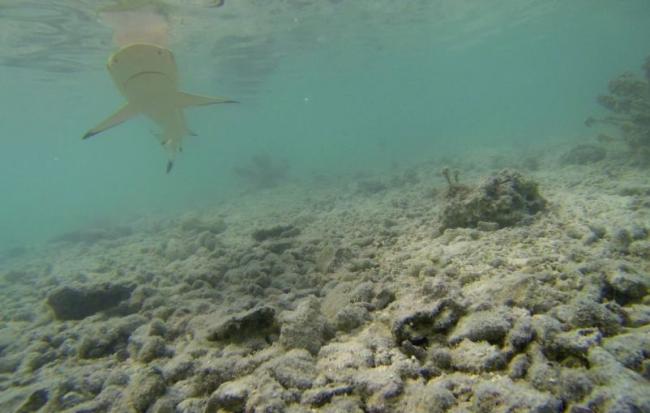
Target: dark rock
(279,231)
(506,198)
(521,333)
(321,396)
(257,322)
(34,402)
(583,155)
(195,224)
(92,235)
(262,171)
(370,186)
(422,327)
(518,367)
(76,303)
(627,286)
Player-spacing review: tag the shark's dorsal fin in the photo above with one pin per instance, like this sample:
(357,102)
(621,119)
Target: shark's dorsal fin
(184,100)
(123,114)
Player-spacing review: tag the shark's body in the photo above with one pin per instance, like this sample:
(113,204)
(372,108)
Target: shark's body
(146,75)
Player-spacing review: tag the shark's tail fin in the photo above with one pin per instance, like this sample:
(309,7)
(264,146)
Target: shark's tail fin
(184,100)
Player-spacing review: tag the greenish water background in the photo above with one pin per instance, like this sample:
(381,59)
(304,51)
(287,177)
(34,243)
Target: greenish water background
(332,93)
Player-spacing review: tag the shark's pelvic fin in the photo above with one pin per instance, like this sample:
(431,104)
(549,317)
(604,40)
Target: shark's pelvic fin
(186,99)
(123,114)
(170,165)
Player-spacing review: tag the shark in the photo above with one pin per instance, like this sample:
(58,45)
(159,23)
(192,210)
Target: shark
(147,76)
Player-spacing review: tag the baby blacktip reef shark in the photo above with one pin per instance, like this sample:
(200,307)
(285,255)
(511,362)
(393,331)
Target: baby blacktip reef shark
(146,75)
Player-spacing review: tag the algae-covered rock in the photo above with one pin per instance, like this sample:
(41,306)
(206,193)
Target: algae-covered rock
(506,199)
(257,322)
(147,386)
(305,327)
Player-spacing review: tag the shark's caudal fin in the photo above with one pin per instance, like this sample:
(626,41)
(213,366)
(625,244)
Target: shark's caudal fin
(186,99)
(123,114)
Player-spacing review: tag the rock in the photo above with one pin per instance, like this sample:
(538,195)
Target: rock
(477,357)
(422,326)
(575,343)
(350,317)
(321,396)
(506,198)
(370,187)
(342,404)
(640,249)
(627,286)
(195,224)
(521,333)
(34,402)
(620,389)
(518,367)
(192,405)
(432,397)
(584,312)
(178,249)
(147,386)
(378,385)
(637,315)
(491,326)
(305,327)
(630,349)
(109,339)
(574,384)
(91,236)
(153,348)
(268,396)
(502,394)
(295,369)
(230,396)
(278,231)
(583,155)
(257,322)
(76,303)
(339,362)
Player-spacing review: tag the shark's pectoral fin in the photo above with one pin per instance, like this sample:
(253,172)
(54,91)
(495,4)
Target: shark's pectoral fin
(123,114)
(186,99)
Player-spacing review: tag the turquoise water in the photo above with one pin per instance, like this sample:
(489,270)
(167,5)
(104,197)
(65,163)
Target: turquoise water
(333,88)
